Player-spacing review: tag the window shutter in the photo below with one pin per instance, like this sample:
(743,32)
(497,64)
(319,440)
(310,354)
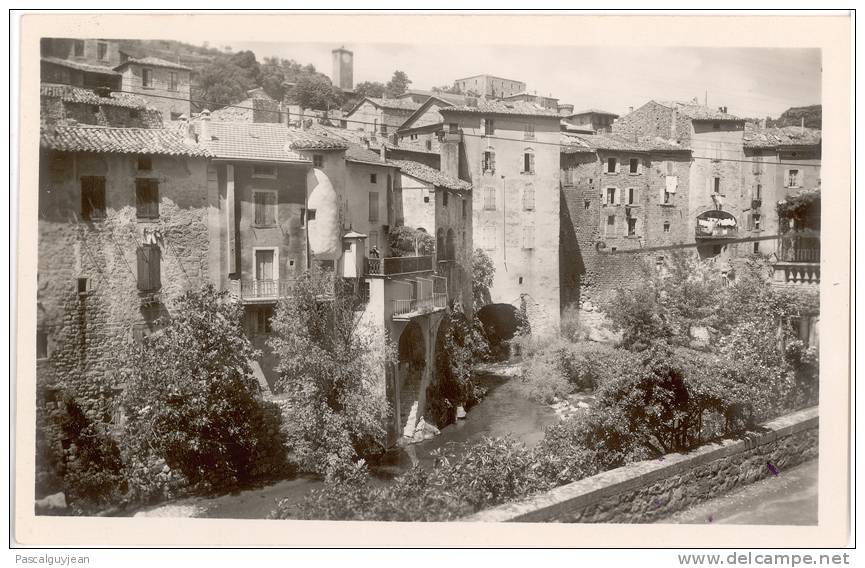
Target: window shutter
(484,126)
(531,163)
(493,162)
(155,267)
(144,268)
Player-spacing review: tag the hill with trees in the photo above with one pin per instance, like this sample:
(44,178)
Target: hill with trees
(793,116)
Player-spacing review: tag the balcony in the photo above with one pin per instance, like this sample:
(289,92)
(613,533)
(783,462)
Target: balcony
(425,295)
(798,260)
(253,291)
(392,266)
(799,249)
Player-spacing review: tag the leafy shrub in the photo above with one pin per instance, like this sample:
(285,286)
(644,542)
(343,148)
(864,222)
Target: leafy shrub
(408,241)
(483,272)
(331,364)
(191,400)
(638,315)
(570,326)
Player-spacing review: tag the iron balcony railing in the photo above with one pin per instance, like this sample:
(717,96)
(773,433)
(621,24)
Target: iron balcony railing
(428,294)
(398,265)
(265,289)
(796,248)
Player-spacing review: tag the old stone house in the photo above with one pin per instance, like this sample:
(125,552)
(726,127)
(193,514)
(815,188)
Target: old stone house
(510,154)
(164,84)
(618,194)
(589,121)
(379,116)
(489,86)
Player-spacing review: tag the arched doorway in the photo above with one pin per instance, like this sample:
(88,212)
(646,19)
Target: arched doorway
(712,227)
(410,368)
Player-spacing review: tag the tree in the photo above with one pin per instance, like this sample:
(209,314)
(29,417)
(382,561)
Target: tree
(483,272)
(226,80)
(448,89)
(372,89)
(192,402)
(398,84)
(408,241)
(331,366)
(315,92)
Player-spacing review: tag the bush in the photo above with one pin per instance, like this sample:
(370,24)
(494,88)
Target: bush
(192,403)
(408,241)
(483,272)
(570,326)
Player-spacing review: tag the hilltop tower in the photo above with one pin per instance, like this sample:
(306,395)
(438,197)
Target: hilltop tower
(343,69)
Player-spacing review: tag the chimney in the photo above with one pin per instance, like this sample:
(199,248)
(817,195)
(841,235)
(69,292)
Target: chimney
(204,117)
(383,151)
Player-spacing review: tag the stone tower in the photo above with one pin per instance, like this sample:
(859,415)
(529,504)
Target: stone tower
(343,67)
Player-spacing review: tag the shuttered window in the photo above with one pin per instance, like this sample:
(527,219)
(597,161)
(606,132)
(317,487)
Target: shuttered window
(529,197)
(488,162)
(149,268)
(528,237)
(265,207)
(528,162)
(489,238)
(92,198)
(373,207)
(490,198)
(147,198)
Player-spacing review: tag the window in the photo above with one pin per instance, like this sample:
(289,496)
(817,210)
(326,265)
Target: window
(265,267)
(528,237)
(265,202)
(632,227)
(93,198)
(373,178)
(149,268)
(147,198)
(717,186)
(413,137)
(373,207)
(147,77)
(634,165)
(489,237)
(263,315)
(145,163)
(610,227)
(669,166)
(384,129)
(587,204)
(453,127)
(490,198)
(529,197)
(426,198)
(758,192)
(632,196)
(489,127)
(83,284)
(102,51)
(268,172)
(41,344)
(792,178)
(756,249)
(78,48)
(528,162)
(612,165)
(611,196)
(755,220)
(488,162)
(529,131)
(172,81)
(427,144)
(666,226)
(318,160)
(444,199)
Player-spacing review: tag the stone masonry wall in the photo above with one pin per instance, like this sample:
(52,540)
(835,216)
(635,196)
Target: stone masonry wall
(646,491)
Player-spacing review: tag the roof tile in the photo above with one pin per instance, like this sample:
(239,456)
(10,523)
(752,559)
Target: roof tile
(431,175)
(120,140)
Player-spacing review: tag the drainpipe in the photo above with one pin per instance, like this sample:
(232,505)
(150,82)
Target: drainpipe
(505,222)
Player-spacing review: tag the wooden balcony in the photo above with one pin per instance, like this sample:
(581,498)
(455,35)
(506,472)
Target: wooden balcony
(426,295)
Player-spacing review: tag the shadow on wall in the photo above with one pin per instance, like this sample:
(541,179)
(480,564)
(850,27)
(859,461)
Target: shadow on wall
(571,265)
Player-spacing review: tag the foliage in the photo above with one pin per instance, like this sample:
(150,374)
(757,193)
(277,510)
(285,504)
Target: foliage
(398,84)
(227,78)
(483,272)
(570,327)
(76,455)
(448,89)
(191,400)
(331,363)
(639,316)
(803,207)
(793,116)
(459,346)
(372,89)
(275,72)
(408,241)
(315,92)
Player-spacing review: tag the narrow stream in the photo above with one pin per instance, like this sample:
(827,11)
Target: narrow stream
(503,411)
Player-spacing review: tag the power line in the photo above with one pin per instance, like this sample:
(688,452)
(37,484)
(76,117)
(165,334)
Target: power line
(601,245)
(489,137)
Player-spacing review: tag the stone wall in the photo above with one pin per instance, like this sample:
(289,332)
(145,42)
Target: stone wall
(647,491)
(55,109)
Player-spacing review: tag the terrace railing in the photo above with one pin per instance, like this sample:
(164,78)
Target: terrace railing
(398,265)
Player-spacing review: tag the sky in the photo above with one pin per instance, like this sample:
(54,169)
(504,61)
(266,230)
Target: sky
(750,82)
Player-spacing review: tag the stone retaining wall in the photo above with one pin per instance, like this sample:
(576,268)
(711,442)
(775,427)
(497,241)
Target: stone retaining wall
(646,491)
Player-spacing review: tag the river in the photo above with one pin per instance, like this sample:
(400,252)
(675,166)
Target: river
(503,411)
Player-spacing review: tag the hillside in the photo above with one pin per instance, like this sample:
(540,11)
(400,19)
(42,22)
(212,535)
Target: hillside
(793,116)
(193,56)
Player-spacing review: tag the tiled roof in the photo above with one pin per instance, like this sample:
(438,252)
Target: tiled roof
(359,153)
(80,66)
(263,141)
(431,175)
(72,94)
(239,112)
(485,106)
(154,62)
(391,104)
(593,111)
(699,112)
(120,140)
(447,97)
(616,143)
(756,137)
(416,146)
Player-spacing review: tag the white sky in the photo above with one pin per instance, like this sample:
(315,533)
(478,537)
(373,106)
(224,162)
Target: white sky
(751,82)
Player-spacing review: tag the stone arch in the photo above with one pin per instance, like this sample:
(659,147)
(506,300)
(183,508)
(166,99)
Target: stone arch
(500,322)
(410,370)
